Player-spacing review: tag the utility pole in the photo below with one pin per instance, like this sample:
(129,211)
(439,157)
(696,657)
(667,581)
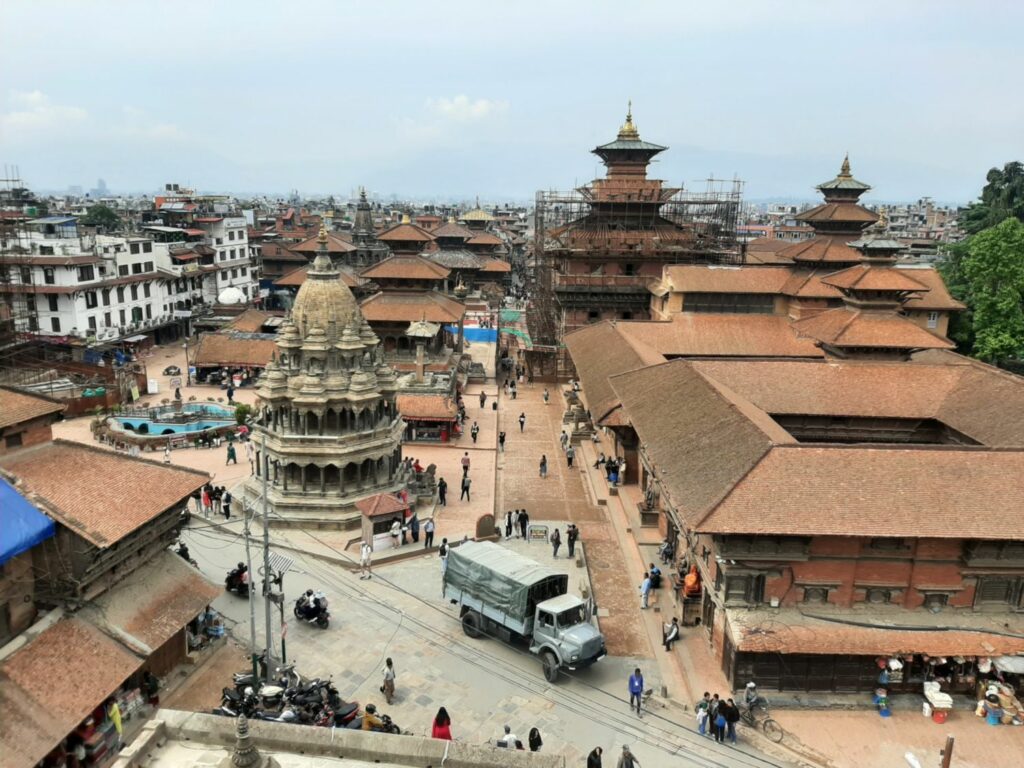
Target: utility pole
(947,752)
(267,601)
(252,605)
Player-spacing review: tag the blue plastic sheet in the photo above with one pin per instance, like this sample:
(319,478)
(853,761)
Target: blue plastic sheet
(22,526)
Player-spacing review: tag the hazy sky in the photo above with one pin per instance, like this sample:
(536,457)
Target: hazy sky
(501,99)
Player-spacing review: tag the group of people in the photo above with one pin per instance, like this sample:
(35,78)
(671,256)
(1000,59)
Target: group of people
(572,535)
(651,583)
(516,522)
(213,499)
(615,468)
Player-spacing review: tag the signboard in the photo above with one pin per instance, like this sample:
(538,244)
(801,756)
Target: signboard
(176,381)
(181,314)
(537,533)
(135,391)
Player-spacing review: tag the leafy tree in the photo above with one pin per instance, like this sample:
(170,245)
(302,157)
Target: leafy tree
(242,412)
(1001,197)
(101,216)
(961,324)
(992,270)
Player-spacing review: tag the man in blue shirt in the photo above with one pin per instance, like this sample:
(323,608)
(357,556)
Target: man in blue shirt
(636,689)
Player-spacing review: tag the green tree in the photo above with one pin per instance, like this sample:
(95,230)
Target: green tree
(100,215)
(242,412)
(993,271)
(1002,196)
(961,324)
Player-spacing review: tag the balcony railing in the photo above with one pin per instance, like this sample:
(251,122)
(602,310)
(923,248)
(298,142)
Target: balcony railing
(602,281)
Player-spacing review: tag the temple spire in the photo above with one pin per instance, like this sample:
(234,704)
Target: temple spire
(844,170)
(629,131)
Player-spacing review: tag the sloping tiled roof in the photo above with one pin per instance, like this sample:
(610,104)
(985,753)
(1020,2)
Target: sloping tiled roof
(410,306)
(692,278)
(485,238)
(17,406)
(405,232)
(496,265)
(406,267)
(838,212)
(821,249)
(804,284)
(48,687)
(429,407)
(700,334)
(456,258)
(381,504)
(101,495)
(158,600)
(297,277)
(249,321)
(278,252)
(914,492)
(846,327)
(937,297)
(454,231)
(335,244)
(871,278)
(229,349)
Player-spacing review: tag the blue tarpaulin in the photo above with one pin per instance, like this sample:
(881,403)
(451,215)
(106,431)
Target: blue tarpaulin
(22,526)
(472,333)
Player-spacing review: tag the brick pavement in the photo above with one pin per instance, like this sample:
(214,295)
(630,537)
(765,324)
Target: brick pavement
(562,496)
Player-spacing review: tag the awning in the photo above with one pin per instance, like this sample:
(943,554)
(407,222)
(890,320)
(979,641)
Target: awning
(23,527)
(1012,664)
(137,338)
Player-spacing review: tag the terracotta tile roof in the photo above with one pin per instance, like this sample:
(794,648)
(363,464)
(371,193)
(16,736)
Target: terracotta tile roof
(933,492)
(496,265)
(851,212)
(410,306)
(100,495)
(888,633)
(456,258)
(699,334)
(404,233)
(845,327)
(713,279)
(454,231)
(154,603)
(335,244)
(937,297)
(485,238)
(249,321)
(822,249)
(406,267)
(804,284)
(870,278)
(49,686)
(17,406)
(278,252)
(381,504)
(426,407)
(229,349)
(297,277)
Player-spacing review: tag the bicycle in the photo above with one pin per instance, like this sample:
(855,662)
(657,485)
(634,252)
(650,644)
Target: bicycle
(757,716)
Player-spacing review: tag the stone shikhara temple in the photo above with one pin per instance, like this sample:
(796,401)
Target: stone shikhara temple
(327,410)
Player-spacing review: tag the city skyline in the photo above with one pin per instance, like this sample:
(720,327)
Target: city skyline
(460,103)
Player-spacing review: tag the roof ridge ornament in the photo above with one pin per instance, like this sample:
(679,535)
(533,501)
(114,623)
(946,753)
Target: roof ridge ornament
(629,131)
(844,170)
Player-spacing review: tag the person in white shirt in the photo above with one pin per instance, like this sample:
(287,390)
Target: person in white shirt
(365,551)
(509,739)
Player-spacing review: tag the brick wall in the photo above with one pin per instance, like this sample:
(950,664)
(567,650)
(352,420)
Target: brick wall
(31,432)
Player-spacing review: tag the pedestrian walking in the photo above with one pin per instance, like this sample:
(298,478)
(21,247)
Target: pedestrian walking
(671,633)
(442,552)
(556,542)
(508,524)
(645,590)
(636,688)
(365,560)
(522,421)
(543,465)
(524,522)
(465,489)
(428,533)
(465,463)
(388,687)
(442,726)
(547,396)
(563,439)
(442,492)
(501,441)
(534,740)
(702,713)
(572,533)
(167,454)
(232,456)
(225,504)
(732,716)
(713,706)
(512,389)
(474,431)
(570,454)
(396,532)
(197,498)
(483,399)
(627,759)
(594,758)
(231,394)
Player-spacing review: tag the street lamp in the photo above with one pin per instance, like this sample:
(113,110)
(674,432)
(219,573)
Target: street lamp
(188,368)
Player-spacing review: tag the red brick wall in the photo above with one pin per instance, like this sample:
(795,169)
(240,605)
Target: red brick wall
(32,433)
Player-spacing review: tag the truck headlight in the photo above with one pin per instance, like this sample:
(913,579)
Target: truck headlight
(574,657)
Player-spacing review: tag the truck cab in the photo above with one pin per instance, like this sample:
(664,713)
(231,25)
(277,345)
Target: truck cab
(563,636)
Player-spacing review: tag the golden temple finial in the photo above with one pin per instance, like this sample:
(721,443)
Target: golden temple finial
(628,130)
(322,237)
(406,219)
(844,171)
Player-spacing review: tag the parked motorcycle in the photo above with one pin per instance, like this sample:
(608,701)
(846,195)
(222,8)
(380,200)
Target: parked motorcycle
(311,608)
(237,580)
(388,726)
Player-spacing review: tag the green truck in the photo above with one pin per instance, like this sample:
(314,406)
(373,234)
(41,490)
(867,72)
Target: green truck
(503,594)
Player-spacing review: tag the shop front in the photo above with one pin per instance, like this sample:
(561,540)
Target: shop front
(428,418)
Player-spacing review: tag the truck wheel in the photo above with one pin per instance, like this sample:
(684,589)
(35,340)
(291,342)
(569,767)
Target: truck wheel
(471,624)
(547,658)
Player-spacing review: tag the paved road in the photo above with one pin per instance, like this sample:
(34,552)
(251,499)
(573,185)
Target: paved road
(484,684)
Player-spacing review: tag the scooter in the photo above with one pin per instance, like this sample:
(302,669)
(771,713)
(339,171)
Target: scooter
(237,581)
(321,618)
(286,715)
(389,726)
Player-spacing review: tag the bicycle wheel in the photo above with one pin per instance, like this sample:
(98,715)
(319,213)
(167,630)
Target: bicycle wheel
(772,730)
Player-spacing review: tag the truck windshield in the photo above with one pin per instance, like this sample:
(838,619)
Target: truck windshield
(571,617)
